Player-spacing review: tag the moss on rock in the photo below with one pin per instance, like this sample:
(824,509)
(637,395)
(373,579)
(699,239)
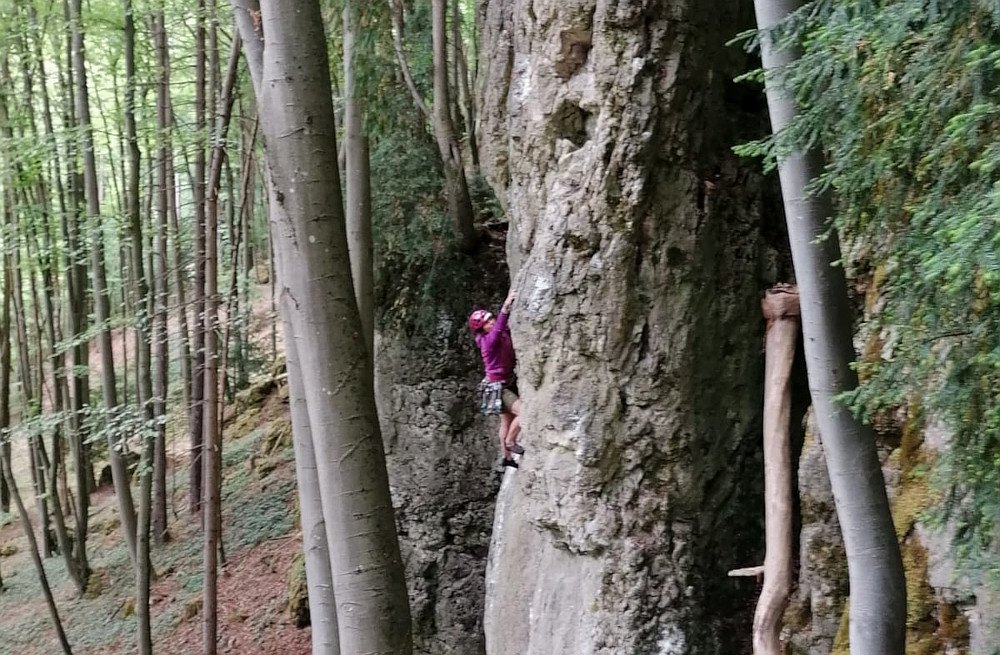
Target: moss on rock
(279,435)
(247,421)
(96,584)
(254,395)
(921,604)
(842,642)
(298,593)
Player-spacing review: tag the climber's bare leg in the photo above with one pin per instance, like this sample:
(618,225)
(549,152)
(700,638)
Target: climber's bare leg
(514,429)
(505,421)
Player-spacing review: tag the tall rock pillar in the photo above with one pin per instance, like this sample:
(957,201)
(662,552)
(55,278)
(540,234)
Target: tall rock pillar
(636,245)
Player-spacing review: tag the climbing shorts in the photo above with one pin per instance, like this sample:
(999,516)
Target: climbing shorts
(507,399)
(496,397)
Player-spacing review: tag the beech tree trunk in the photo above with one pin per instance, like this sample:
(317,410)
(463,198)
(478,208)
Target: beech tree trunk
(875,569)
(140,289)
(198,333)
(358,185)
(161,346)
(397,9)
(319,577)
(212,443)
(102,303)
(321,316)
(77,564)
(459,201)
(77,286)
(35,557)
(466,102)
(183,333)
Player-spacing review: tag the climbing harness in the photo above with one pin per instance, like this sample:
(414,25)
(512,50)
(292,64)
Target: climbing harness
(491,397)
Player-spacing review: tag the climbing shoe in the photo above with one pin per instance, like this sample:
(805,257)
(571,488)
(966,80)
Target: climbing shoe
(511,463)
(516,449)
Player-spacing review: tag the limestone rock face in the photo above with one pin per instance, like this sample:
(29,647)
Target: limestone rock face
(440,454)
(636,245)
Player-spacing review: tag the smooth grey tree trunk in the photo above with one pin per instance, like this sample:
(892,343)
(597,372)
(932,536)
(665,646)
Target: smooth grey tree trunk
(875,569)
(161,287)
(318,295)
(211,440)
(197,420)
(119,473)
(77,284)
(144,389)
(358,208)
(76,560)
(459,201)
(396,8)
(319,576)
(466,102)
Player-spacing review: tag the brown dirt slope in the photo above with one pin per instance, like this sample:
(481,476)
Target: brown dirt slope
(261,539)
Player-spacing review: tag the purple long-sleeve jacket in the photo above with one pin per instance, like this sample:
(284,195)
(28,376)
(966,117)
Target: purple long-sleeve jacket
(497,350)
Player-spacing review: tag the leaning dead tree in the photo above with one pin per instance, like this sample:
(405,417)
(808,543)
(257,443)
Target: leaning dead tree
(781,310)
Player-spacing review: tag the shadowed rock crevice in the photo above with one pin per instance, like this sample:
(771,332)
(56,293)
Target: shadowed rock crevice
(573,123)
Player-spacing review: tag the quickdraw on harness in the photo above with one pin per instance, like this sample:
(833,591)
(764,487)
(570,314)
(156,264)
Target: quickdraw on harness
(491,397)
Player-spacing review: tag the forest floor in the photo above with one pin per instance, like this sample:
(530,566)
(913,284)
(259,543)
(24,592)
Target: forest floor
(261,539)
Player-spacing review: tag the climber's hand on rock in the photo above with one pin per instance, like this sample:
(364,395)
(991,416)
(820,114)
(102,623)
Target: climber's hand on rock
(511,297)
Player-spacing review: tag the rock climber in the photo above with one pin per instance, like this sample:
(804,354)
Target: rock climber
(498,390)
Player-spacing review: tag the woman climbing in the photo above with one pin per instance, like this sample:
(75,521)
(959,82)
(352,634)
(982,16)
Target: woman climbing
(498,390)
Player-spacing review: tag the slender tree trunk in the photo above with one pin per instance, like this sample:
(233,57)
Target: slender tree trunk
(198,355)
(77,281)
(358,187)
(5,364)
(35,557)
(466,101)
(4,491)
(78,566)
(781,309)
(101,301)
(13,264)
(161,346)
(233,305)
(459,202)
(319,577)
(878,589)
(144,389)
(397,10)
(249,265)
(77,575)
(319,308)
(212,442)
(183,333)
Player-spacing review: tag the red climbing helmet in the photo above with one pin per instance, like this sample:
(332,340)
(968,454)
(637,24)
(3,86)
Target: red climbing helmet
(478,319)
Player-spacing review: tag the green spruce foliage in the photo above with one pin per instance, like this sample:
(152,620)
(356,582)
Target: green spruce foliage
(902,96)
